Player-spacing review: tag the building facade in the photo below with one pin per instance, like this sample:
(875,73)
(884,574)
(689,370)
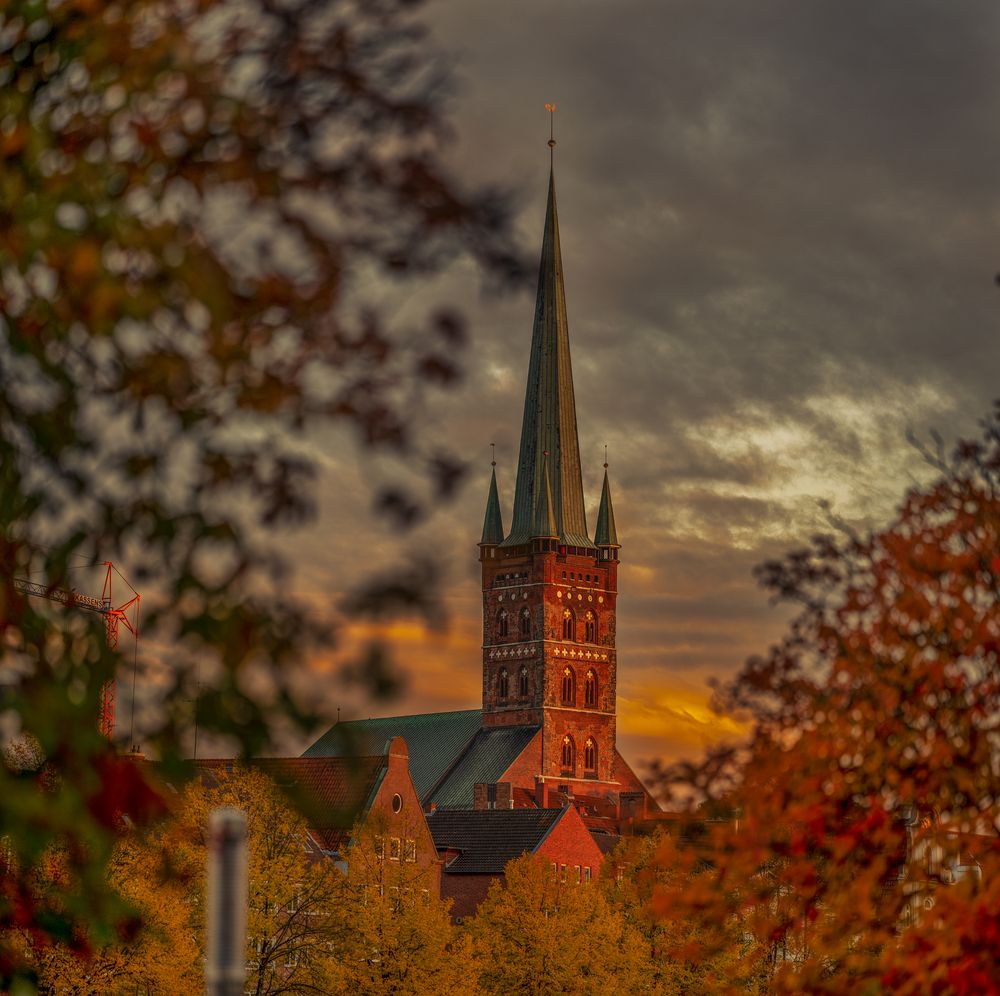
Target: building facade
(547,725)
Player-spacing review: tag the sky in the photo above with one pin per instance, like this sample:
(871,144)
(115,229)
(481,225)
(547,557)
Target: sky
(779,227)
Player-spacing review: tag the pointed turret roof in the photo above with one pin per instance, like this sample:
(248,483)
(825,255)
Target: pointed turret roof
(550,407)
(545,520)
(493,523)
(606,534)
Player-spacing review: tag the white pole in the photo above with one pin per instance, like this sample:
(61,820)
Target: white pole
(226,908)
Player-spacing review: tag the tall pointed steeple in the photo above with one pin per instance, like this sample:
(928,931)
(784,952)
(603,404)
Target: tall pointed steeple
(549,422)
(606,534)
(493,522)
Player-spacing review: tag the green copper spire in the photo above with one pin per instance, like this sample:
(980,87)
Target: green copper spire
(544,526)
(550,408)
(606,533)
(493,523)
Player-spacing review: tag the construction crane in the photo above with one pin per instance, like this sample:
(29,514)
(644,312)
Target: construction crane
(114,616)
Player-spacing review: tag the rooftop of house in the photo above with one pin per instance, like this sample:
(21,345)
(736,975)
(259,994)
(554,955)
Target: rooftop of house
(332,793)
(487,839)
(435,740)
(492,751)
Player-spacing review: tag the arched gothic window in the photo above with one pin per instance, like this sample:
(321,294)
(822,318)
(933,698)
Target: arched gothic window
(590,625)
(568,753)
(569,687)
(503,684)
(522,682)
(503,627)
(590,755)
(569,625)
(590,689)
(525,623)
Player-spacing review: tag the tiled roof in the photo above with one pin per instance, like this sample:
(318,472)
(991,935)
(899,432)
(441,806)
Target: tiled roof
(607,842)
(489,755)
(488,838)
(331,792)
(434,741)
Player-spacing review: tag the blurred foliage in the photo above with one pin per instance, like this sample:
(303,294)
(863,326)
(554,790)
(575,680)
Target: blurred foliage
(189,191)
(863,853)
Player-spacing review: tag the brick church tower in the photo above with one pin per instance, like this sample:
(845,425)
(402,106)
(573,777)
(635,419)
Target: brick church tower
(550,591)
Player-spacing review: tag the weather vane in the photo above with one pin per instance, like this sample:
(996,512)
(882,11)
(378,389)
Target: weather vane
(605,456)
(551,108)
(493,454)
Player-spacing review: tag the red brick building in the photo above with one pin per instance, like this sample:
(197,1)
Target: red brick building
(477,844)
(547,725)
(338,794)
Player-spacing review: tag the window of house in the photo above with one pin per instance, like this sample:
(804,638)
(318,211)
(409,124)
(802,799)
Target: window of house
(503,627)
(590,755)
(569,627)
(586,873)
(590,627)
(503,684)
(397,803)
(577,875)
(522,683)
(590,689)
(380,848)
(394,848)
(555,870)
(568,686)
(410,851)
(525,622)
(568,753)
(562,873)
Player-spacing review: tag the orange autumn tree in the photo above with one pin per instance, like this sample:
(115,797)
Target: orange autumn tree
(861,853)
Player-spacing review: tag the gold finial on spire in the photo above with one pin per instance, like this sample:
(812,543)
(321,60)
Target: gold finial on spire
(605,456)
(493,454)
(551,108)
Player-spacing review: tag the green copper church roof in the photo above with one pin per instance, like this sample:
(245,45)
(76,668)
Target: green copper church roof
(549,423)
(493,523)
(606,534)
(490,754)
(434,740)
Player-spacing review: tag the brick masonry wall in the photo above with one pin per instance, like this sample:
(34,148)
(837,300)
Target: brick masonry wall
(570,843)
(521,774)
(466,891)
(409,822)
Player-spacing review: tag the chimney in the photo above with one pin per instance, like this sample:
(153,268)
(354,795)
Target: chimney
(492,795)
(541,792)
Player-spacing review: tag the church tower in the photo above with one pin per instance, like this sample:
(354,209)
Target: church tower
(550,592)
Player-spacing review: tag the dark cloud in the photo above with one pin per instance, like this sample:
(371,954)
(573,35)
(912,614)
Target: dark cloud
(779,226)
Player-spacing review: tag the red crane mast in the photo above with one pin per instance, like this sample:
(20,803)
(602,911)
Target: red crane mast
(113,617)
